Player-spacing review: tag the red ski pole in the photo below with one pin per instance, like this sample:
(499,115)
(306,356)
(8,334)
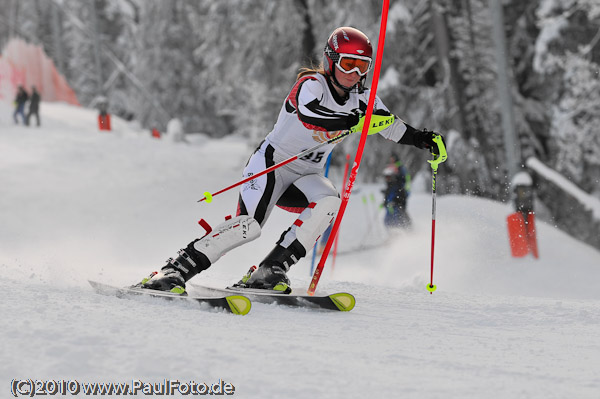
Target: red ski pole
(432,287)
(208,196)
(437,159)
(380,123)
(361,146)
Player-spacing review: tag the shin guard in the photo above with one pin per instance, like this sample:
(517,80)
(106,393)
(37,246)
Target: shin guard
(311,223)
(227,236)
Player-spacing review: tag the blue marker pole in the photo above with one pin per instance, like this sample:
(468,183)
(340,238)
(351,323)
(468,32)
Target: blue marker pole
(314,255)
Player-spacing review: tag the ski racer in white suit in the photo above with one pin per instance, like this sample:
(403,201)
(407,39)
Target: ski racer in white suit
(322,104)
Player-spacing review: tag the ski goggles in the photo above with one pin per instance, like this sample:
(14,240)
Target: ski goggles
(349,63)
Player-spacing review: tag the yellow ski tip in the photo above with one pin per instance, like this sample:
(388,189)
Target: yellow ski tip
(344,301)
(239,304)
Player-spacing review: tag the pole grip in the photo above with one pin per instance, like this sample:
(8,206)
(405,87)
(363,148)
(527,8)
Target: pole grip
(443,155)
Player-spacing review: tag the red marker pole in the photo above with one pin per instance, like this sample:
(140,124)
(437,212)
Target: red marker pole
(361,146)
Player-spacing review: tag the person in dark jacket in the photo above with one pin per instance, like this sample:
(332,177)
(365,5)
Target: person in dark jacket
(34,106)
(20,101)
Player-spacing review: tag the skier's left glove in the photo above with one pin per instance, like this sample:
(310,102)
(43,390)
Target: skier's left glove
(425,139)
(353,119)
(381,112)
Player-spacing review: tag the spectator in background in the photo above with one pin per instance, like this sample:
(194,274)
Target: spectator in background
(395,194)
(20,101)
(34,106)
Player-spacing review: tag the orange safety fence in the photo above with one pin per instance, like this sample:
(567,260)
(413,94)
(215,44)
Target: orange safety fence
(26,64)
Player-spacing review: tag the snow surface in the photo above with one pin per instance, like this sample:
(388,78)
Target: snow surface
(81,204)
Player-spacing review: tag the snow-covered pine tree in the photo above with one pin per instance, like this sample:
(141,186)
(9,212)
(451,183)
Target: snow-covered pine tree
(572,59)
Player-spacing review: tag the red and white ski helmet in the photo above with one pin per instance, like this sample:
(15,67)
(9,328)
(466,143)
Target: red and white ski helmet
(345,40)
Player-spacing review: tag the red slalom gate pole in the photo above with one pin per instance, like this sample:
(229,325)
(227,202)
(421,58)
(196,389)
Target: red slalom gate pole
(361,146)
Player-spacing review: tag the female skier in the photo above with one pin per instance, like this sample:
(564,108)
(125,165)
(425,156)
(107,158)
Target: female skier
(322,103)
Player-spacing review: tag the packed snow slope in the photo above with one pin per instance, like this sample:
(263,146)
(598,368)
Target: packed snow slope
(80,204)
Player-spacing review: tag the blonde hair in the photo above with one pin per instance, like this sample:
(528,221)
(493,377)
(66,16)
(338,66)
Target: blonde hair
(311,70)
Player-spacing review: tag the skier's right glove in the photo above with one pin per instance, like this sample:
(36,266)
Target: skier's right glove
(352,120)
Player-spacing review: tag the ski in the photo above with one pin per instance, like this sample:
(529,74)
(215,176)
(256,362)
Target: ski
(340,301)
(234,303)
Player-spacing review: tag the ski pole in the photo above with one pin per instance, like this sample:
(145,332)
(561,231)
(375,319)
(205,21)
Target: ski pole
(359,152)
(437,159)
(379,122)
